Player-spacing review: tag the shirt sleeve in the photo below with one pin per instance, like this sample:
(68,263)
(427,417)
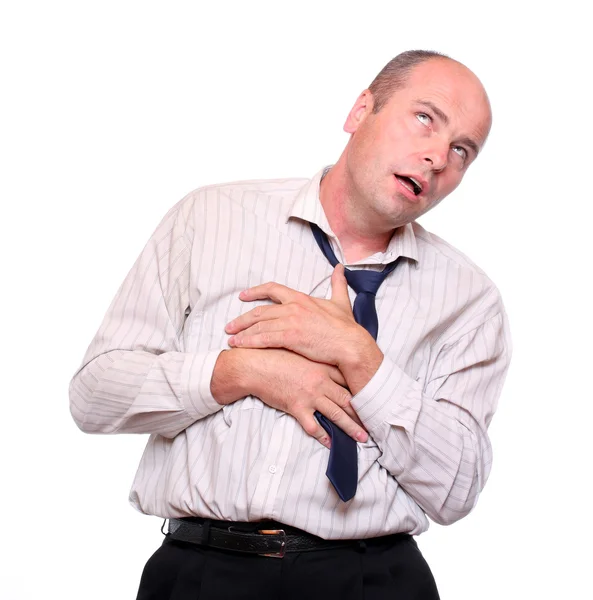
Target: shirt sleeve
(136,376)
(433,436)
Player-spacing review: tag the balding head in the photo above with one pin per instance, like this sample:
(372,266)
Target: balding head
(396,73)
(414,134)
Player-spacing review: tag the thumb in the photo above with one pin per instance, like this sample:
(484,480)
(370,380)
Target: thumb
(340,289)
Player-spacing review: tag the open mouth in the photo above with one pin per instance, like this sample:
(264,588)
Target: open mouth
(411,184)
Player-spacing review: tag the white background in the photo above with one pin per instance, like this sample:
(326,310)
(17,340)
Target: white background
(112,111)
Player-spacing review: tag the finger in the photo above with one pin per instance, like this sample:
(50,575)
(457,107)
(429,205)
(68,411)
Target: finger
(342,397)
(337,415)
(267,339)
(336,375)
(256,315)
(263,327)
(352,414)
(340,289)
(274,291)
(313,428)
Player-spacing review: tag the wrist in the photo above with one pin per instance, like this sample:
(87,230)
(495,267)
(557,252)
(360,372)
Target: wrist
(230,378)
(360,361)
(354,349)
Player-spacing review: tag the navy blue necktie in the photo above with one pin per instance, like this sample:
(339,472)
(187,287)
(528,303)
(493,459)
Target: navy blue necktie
(342,467)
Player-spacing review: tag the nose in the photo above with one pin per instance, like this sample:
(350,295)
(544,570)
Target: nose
(437,156)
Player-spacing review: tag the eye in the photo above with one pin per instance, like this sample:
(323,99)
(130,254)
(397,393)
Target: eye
(461,151)
(424,118)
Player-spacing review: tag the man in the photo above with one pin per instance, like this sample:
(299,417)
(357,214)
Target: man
(233,342)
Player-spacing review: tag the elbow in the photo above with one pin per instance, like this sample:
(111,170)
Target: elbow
(472,472)
(80,417)
(86,424)
(448,516)
(82,422)
(88,421)
(458,504)
(77,406)
(80,407)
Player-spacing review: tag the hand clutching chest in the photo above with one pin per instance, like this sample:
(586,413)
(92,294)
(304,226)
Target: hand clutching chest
(299,354)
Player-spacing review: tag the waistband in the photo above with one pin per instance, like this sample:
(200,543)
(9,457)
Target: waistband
(265,538)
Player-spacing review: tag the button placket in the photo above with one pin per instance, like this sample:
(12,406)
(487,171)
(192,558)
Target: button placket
(273,466)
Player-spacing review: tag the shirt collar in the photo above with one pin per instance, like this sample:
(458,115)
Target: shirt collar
(307,207)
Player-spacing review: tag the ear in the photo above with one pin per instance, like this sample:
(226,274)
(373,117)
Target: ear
(359,112)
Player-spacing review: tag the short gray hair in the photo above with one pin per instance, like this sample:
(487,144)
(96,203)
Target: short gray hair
(395,73)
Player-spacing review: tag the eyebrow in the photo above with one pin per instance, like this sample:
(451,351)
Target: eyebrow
(436,110)
(445,119)
(471,144)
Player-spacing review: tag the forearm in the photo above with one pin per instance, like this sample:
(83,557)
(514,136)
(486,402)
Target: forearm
(136,376)
(432,431)
(436,450)
(359,360)
(141,392)
(439,461)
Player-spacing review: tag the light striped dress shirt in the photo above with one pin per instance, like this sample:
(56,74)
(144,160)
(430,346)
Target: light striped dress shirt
(442,329)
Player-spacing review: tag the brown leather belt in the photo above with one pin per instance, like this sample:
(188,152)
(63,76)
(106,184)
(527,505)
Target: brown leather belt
(267,538)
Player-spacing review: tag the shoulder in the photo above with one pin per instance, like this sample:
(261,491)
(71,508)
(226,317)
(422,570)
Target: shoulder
(237,189)
(239,194)
(430,244)
(223,204)
(473,298)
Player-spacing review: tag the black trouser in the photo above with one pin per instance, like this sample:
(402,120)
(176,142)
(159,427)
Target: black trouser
(390,567)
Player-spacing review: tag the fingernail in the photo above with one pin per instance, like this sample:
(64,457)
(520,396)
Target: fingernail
(232,340)
(361,436)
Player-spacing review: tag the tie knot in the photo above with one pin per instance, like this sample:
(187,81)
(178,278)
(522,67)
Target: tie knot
(360,281)
(365,281)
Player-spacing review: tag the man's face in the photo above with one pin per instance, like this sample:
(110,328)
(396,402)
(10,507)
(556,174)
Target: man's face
(406,158)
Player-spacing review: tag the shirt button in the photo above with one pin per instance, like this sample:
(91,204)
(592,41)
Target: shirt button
(272,469)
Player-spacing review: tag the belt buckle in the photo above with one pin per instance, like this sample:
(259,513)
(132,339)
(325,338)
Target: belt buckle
(280,532)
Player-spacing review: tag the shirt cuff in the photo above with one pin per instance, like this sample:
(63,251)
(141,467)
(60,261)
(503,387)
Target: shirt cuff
(390,398)
(196,377)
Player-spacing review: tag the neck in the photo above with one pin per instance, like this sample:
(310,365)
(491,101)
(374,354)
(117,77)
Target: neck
(359,236)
